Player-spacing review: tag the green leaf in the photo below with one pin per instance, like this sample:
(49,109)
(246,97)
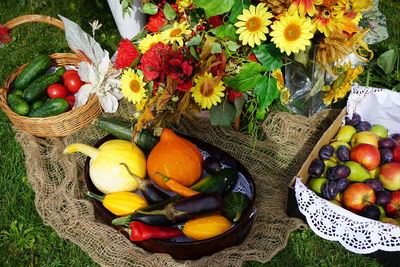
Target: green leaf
(237,9)
(169,12)
(269,56)
(149,8)
(214,7)
(387,60)
(223,114)
(239,103)
(140,35)
(267,91)
(232,46)
(226,31)
(216,48)
(194,41)
(248,77)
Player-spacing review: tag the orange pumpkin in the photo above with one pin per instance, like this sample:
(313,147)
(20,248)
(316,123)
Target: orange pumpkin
(176,158)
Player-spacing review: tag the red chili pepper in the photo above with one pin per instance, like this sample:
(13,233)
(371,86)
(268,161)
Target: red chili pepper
(140,231)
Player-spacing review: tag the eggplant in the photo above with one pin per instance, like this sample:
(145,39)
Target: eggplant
(150,192)
(177,211)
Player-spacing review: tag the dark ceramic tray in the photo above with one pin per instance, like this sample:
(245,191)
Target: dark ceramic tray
(188,249)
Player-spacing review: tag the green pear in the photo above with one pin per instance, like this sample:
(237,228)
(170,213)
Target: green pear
(345,133)
(337,144)
(365,137)
(316,184)
(375,173)
(328,164)
(379,130)
(357,172)
(383,213)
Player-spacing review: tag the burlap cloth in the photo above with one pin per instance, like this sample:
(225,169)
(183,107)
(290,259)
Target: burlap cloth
(58,182)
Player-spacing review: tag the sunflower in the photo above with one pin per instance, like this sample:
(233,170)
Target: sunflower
(176,33)
(326,21)
(304,7)
(132,86)
(149,41)
(253,24)
(206,92)
(292,33)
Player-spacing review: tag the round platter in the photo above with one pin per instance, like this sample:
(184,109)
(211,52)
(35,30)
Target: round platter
(186,249)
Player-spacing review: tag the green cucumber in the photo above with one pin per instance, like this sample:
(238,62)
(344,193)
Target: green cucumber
(18,104)
(119,129)
(221,182)
(19,92)
(49,108)
(39,86)
(235,204)
(37,104)
(123,130)
(31,72)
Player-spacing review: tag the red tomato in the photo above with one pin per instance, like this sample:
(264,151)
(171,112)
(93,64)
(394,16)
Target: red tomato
(71,101)
(73,83)
(57,90)
(69,72)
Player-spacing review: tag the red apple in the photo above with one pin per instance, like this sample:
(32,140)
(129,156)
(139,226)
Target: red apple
(389,174)
(367,155)
(357,196)
(392,209)
(396,152)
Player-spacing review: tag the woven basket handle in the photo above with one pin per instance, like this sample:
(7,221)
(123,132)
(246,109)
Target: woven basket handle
(34,18)
(44,19)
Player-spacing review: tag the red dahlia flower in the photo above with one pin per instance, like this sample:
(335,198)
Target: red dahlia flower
(127,53)
(160,61)
(215,21)
(156,21)
(5,34)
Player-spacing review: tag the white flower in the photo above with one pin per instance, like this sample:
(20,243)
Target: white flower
(95,26)
(100,81)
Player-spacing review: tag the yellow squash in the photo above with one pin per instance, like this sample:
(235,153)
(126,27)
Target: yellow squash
(106,171)
(121,203)
(206,227)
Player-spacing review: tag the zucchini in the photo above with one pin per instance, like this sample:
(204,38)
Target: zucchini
(49,108)
(18,104)
(39,86)
(31,72)
(123,130)
(222,183)
(235,204)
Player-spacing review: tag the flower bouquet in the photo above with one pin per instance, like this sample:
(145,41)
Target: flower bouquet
(227,57)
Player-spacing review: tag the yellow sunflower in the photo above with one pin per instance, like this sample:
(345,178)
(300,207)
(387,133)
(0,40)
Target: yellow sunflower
(132,86)
(206,92)
(176,33)
(253,24)
(147,42)
(292,33)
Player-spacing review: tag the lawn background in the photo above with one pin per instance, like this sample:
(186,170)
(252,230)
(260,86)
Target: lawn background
(24,239)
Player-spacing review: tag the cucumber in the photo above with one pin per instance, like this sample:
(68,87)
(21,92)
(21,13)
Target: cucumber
(19,92)
(222,183)
(120,129)
(31,72)
(49,108)
(39,86)
(18,104)
(37,104)
(235,204)
(123,130)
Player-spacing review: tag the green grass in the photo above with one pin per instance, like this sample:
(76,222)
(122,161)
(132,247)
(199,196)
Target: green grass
(24,239)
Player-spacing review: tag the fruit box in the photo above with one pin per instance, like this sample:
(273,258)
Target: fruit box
(387,255)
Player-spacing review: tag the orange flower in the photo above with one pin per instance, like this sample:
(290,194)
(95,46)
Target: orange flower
(304,7)
(326,21)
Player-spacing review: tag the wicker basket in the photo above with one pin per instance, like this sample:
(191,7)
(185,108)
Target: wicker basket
(55,126)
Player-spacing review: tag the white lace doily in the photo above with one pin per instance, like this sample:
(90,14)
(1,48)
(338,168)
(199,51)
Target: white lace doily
(357,234)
